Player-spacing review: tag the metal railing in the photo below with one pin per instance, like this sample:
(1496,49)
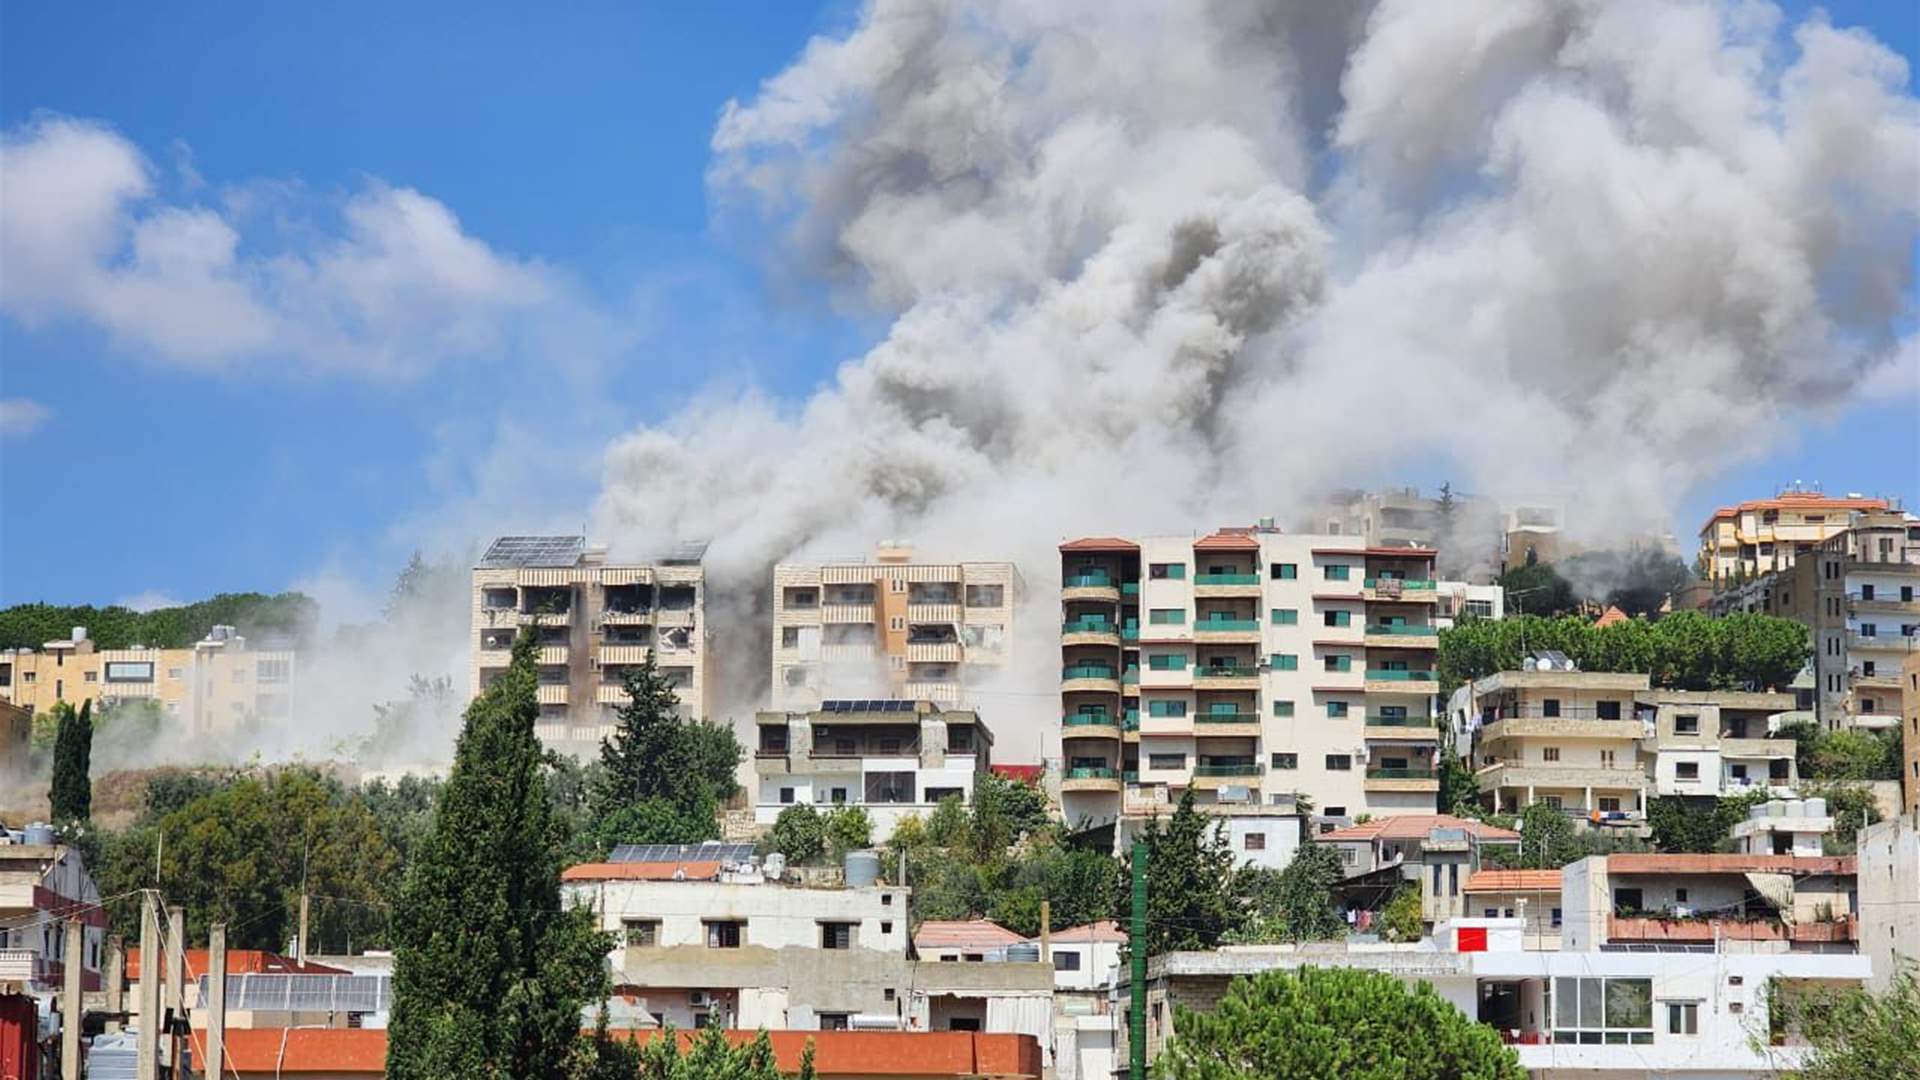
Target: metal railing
(1226,718)
(1097,580)
(1222,671)
(1396,675)
(1088,720)
(1391,720)
(1226,579)
(1402,774)
(1401,630)
(1087,671)
(1236,625)
(1086,773)
(1250,768)
(1087,626)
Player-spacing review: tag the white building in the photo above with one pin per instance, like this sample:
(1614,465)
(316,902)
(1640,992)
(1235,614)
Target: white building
(1724,902)
(40,882)
(1889,866)
(891,758)
(1784,827)
(1085,962)
(1718,742)
(1460,600)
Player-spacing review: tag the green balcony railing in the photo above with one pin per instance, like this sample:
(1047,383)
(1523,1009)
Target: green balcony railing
(1086,671)
(1130,588)
(1131,678)
(1220,671)
(1130,632)
(1402,774)
(1086,773)
(1132,721)
(1098,580)
(1406,584)
(1226,718)
(1088,720)
(1227,624)
(1087,626)
(1251,768)
(1131,776)
(1391,720)
(1395,675)
(1402,630)
(1226,579)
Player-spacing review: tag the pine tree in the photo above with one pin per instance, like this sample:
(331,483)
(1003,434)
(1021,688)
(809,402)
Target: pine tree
(71,793)
(662,777)
(490,973)
(1190,900)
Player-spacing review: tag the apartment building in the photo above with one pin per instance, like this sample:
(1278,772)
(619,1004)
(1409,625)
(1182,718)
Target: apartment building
(1465,529)
(595,620)
(1567,738)
(1766,535)
(891,758)
(1719,903)
(1246,665)
(42,882)
(223,682)
(889,628)
(1435,852)
(1889,874)
(1717,742)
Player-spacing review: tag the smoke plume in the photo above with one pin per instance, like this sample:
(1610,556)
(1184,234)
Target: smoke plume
(1157,267)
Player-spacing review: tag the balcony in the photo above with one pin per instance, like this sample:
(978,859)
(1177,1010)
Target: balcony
(1226,585)
(846,613)
(1218,629)
(21,965)
(610,694)
(1879,680)
(1095,677)
(933,652)
(1226,723)
(545,618)
(552,693)
(945,691)
(1883,605)
(1563,727)
(1392,681)
(1656,928)
(492,658)
(1893,643)
(1399,590)
(623,654)
(627,617)
(1514,774)
(553,654)
(1086,778)
(1093,586)
(1211,776)
(1089,726)
(1393,728)
(1089,631)
(1401,636)
(1226,677)
(934,613)
(1416,779)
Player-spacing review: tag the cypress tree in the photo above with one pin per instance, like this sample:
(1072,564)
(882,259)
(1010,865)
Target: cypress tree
(71,793)
(490,973)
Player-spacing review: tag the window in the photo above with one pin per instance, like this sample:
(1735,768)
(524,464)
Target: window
(1066,961)
(1283,709)
(1167,661)
(1596,1011)
(1337,618)
(1335,571)
(1552,800)
(1679,896)
(833,1021)
(1165,571)
(1686,725)
(1606,710)
(1338,662)
(1866,592)
(1869,630)
(1339,762)
(1286,662)
(1549,753)
(1254,841)
(129,671)
(641,932)
(1167,616)
(1609,803)
(1286,616)
(1167,761)
(1166,708)
(938,795)
(1627,900)
(1336,709)
(273,670)
(896,584)
(1683,1018)
(1479,609)
(786,796)
(1869,668)
(1283,571)
(1687,770)
(729,933)
(836,935)
(1556,918)
(1550,707)
(1606,759)
(986,596)
(1286,761)
(898,622)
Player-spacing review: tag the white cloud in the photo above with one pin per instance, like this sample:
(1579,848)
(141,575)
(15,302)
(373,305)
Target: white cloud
(390,288)
(20,417)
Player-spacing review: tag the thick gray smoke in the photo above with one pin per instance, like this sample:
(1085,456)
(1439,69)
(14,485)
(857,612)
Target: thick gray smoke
(1157,267)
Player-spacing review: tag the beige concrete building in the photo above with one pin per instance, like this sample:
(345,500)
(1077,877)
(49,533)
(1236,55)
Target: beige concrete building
(1570,739)
(595,620)
(889,628)
(222,683)
(1910,713)
(1889,864)
(1765,535)
(1718,742)
(1247,665)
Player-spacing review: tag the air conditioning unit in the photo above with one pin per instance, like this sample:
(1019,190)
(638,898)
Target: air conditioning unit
(700,999)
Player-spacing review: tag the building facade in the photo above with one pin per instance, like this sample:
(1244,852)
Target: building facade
(890,628)
(1910,741)
(594,620)
(1459,600)
(890,758)
(1718,742)
(224,682)
(1723,903)
(1766,535)
(1570,739)
(1246,665)
(1437,853)
(1889,869)
(42,884)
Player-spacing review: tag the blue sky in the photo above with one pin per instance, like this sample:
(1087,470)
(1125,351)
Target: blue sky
(572,141)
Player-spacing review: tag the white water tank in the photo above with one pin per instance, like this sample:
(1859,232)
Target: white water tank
(775,865)
(862,868)
(39,832)
(1816,808)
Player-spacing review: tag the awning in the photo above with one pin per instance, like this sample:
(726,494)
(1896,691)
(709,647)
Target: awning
(1775,889)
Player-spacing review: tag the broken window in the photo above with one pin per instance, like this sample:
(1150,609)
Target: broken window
(498,599)
(677,598)
(629,635)
(933,592)
(848,634)
(679,637)
(986,595)
(800,599)
(932,634)
(629,599)
(547,599)
(850,594)
(496,639)
(889,787)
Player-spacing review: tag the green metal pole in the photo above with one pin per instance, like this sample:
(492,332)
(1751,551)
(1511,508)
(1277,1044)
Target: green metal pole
(1137,954)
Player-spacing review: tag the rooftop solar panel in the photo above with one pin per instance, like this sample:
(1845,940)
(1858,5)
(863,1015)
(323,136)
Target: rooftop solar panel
(535,551)
(709,852)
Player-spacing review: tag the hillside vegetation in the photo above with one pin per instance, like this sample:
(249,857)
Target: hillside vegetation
(288,616)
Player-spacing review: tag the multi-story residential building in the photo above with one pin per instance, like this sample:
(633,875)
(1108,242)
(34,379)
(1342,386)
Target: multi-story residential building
(1735,903)
(43,883)
(1530,896)
(1465,529)
(891,628)
(1568,738)
(1889,866)
(1766,535)
(1533,533)
(1436,852)
(1459,600)
(1689,1015)
(1246,665)
(595,620)
(891,758)
(222,682)
(1716,742)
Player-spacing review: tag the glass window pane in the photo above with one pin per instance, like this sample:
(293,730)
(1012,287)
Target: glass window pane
(1590,1011)
(1629,1003)
(1566,1003)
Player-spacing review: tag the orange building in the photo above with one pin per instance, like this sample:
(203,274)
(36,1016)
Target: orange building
(1764,535)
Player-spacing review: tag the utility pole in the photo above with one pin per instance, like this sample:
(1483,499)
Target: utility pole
(1137,974)
(116,980)
(1046,931)
(70,1005)
(175,1006)
(147,1065)
(300,944)
(216,1060)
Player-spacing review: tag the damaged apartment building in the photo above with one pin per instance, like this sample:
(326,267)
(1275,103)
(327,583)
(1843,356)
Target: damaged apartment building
(595,621)
(889,628)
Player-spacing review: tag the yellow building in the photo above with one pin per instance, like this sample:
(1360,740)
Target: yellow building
(1765,535)
(219,684)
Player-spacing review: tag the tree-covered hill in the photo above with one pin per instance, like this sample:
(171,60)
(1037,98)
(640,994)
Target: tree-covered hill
(288,616)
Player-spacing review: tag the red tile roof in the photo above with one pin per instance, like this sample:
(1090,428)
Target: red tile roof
(1104,930)
(643,871)
(1228,540)
(267,1052)
(968,934)
(1611,616)
(1099,543)
(1800,500)
(1414,827)
(1679,863)
(1503,881)
(240,962)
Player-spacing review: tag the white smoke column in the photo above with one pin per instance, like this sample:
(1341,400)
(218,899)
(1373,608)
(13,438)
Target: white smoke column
(1160,267)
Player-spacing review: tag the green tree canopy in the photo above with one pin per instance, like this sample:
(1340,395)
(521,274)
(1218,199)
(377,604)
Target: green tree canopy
(1315,1023)
(799,834)
(712,1056)
(490,973)
(291,616)
(1853,1033)
(71,794)
(663,778)
(1685,650)
(1547,838)
(1190,876)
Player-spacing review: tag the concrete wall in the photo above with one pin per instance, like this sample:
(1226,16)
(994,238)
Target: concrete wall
(1889,884)
(778,916)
